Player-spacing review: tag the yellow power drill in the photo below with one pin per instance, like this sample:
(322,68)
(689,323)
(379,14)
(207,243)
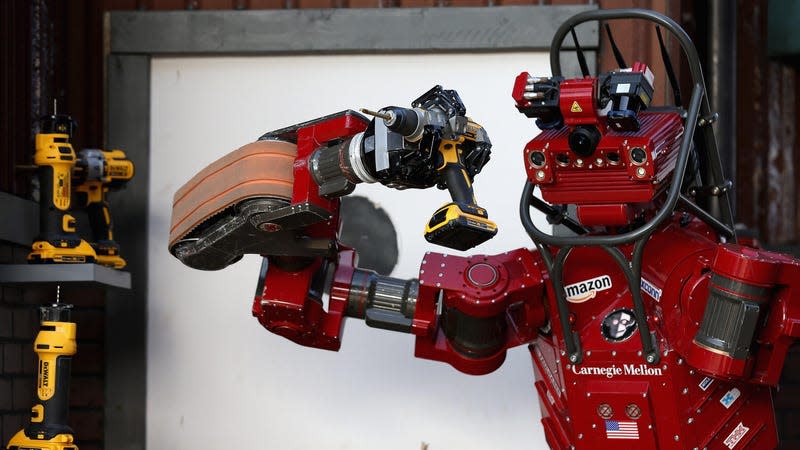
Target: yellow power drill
(437,122)
(96,173)
(55,346)
(55,158)
(461,224)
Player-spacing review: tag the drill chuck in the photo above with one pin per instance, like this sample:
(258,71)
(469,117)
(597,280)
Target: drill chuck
(408,122)
(57,312)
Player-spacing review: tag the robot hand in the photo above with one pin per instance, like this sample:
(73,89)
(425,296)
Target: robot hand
(280,195)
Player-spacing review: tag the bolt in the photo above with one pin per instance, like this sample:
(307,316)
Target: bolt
(677,438)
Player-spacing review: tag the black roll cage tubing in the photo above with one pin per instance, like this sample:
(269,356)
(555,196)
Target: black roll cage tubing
(697,118)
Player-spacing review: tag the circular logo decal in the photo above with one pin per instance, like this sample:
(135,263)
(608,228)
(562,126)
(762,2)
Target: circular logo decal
(619,325)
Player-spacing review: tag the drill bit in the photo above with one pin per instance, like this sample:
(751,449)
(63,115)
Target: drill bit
(379,115)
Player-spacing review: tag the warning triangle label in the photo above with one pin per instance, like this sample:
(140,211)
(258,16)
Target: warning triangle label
(576,108)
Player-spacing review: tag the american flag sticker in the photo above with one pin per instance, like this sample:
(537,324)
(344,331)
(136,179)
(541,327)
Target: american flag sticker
(622,429)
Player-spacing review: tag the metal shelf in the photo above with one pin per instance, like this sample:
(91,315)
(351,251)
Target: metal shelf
(65,274)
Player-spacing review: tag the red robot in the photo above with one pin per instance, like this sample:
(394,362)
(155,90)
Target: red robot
(646,321)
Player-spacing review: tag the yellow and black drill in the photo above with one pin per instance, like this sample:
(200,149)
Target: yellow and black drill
(96,173)
(438,123)
(55,159)
(55,345)
(460,224)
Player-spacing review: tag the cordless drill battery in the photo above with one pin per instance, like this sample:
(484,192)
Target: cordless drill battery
(459,226)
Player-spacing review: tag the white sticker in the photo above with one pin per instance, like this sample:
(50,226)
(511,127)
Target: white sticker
(730,397)
(707,381)
(651,290)
(587,289)
(623,88)
(736,435)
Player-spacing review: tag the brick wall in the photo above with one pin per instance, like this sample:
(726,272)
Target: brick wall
(19,323)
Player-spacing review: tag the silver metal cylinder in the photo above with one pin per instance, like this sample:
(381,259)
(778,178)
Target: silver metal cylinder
(383,302)
(337,169)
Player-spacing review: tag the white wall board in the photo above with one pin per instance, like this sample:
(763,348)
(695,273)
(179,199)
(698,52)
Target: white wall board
(216,378)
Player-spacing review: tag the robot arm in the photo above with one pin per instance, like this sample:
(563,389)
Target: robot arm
(279,197)
(465,311)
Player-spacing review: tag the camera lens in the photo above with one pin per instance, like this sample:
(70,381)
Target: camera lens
(584,139)
(638,155)
(537,159)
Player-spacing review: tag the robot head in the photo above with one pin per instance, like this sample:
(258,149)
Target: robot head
(600,149)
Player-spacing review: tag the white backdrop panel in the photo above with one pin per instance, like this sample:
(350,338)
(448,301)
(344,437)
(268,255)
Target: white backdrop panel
(215,377)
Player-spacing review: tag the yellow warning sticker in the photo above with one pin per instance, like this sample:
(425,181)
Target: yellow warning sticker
(576,108)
